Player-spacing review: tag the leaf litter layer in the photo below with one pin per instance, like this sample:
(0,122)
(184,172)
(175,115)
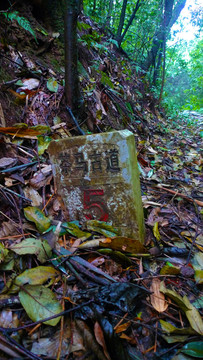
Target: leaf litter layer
(72,292)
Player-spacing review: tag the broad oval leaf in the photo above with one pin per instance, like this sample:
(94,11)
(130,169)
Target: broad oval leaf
(194,349)
(34,214)
(123,243)
(171,329)
(193,316)
(40,303)
(43,143)
(199,276)
(52,85)
(38,247)
(37,276)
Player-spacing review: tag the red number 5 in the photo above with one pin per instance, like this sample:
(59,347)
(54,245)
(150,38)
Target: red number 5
(95,206)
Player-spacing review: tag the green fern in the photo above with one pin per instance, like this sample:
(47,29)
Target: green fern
(23,22)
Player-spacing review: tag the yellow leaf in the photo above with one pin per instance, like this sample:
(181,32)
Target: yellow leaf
(193,316)
(156,231)
(122,243)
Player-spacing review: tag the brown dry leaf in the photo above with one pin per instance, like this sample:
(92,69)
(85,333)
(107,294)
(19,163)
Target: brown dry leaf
(21,132)
(122,327)
(131,340)
(2,118)
(8,228)
(39,180)
(89,339)
(122,243)
(154,217)
(33,195)
(100,338)
(157,298)
(6,161)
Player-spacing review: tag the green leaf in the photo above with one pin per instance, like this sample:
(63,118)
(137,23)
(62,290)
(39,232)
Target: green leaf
(175,338)
(169,269)
(52,85)
(37,247)
(199,276)
(194,349)
(102,228)
(34,214)
(193,316)
(74,230)
(198,303)
(23,22)
(43,143)
(39,303)
(174,296)
(191,312)
(42,128)
(3,252)
(82,25)
(181,357)
(171,329)
(105,80)
(37,276)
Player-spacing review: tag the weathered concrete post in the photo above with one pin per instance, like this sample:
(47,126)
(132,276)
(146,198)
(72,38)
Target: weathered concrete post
(97,177)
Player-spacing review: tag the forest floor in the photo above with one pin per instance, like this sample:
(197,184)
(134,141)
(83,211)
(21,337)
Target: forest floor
(142,303)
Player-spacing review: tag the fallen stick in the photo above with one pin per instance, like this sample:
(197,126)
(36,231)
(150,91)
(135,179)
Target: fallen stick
(200,203)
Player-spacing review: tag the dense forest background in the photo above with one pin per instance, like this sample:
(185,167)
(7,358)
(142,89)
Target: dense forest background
(157,38)
(161,38)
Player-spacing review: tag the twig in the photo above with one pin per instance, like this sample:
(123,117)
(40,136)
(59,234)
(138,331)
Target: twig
(13,236)
(10,330)
(87,273)
(18,167)
(176,193)
(21,349)
(14,193)
(75,273)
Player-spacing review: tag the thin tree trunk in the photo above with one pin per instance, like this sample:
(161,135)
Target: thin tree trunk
(71,55)
(169,18)
(121,22)
(108,19)
(163,73)
(130,20)
(94,6)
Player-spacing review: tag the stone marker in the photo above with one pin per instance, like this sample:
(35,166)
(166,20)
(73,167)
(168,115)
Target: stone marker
(97,177)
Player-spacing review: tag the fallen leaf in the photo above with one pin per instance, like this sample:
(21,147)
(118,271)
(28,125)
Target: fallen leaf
(157,298)
(4,162)
(194,349)
(37,276)
(40,303)
(34,214)
(98,332)
(38,247)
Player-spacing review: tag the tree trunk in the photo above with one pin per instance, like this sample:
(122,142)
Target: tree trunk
(163,73)
(121,22)
(130,21)
(94,6)
(108,19)
(72,92)
(169,17)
